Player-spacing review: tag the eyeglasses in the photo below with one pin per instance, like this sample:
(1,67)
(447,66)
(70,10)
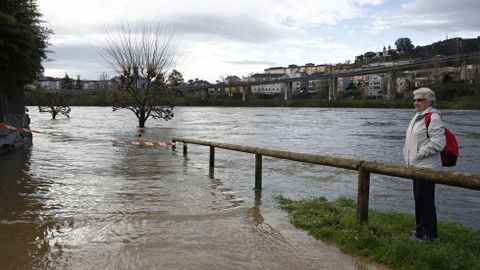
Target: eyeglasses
(419,100)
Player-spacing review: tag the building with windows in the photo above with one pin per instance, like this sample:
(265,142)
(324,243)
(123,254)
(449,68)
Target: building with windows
(376,85)
(50,83)
(267,89)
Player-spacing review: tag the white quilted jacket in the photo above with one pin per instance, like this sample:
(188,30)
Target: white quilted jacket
(420,150)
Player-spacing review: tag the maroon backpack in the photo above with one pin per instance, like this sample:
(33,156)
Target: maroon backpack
(449,153)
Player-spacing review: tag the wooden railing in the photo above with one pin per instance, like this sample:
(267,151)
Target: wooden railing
(364,168)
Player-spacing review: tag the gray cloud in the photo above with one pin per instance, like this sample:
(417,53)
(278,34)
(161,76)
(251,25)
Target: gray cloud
(74,52)
(248,29)
(250,62)
(433,15)
(245,28)
(76,59)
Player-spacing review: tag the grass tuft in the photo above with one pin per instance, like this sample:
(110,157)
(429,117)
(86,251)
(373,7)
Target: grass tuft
(383,240)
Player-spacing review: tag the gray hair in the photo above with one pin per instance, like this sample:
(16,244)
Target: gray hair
(428,94)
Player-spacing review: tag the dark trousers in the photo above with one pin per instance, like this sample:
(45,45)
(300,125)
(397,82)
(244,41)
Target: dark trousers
(425,211)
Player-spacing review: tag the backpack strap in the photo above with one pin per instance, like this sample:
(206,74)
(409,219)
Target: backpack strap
(428,118)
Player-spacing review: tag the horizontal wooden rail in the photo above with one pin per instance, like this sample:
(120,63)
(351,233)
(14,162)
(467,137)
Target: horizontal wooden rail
(465,180)
(344,163)
(364,168)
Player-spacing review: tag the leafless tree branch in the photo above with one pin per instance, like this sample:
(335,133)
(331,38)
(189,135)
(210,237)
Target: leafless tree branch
(141,56)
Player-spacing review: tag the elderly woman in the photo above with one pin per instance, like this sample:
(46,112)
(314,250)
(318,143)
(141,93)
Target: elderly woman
(422,148)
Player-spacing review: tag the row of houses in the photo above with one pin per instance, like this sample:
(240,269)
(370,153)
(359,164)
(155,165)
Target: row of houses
(372,86)
(55,84)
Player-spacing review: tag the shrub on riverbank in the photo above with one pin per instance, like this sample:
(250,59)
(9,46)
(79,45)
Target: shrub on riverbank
(384,238)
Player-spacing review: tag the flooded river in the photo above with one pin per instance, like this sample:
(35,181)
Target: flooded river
(75,201)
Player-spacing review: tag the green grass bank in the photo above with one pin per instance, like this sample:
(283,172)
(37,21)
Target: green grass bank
(383,239)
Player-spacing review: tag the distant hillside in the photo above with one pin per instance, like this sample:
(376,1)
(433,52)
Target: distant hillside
(447,47)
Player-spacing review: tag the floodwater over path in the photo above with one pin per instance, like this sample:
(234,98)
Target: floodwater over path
(75,201)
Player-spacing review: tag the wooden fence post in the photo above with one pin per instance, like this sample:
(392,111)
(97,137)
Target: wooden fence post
(363,195)
(258,171)
(212,158)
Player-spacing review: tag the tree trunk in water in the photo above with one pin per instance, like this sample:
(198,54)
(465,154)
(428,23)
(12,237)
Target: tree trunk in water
(53,112)
(141,122)
(142,118)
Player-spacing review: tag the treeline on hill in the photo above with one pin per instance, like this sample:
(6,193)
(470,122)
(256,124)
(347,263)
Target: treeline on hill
(448,47)
(406,50)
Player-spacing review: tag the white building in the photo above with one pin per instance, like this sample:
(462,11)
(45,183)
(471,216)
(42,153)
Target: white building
(49,83)
(270,88)
(90,85)
(376,84)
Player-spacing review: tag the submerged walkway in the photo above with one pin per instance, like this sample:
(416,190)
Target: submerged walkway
(146,209)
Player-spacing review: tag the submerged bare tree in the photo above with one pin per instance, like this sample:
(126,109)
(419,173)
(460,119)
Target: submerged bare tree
(54,103)
(141,56)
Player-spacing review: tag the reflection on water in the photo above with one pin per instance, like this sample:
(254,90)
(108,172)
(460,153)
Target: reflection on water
(75,201)
(27,234)
(255,210)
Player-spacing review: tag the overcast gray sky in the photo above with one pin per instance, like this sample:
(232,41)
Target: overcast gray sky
(220,38)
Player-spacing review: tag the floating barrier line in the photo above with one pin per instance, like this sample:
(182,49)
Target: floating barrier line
(19,129)
(140,143)
(144,143)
